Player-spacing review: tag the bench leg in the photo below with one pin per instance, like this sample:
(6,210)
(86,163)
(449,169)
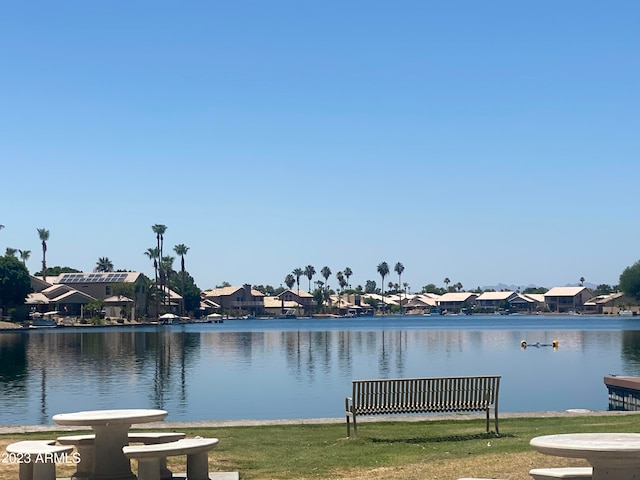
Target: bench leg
(84,468)
(25,471)
(165,473)
(198,466)
(487,420)
(44,471)
(149,468)
(109,459)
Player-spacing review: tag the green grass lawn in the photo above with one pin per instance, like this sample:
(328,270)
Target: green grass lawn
(437,449)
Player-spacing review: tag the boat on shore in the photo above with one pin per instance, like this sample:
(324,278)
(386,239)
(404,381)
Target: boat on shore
(289,313)
(43,322)
(215,318)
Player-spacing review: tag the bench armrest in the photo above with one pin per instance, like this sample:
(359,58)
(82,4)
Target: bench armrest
(346,404)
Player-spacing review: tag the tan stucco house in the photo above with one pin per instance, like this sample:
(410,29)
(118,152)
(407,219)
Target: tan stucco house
(567,299)
(234,299)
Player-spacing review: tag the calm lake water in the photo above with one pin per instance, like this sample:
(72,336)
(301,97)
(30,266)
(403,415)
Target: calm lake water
(269,369)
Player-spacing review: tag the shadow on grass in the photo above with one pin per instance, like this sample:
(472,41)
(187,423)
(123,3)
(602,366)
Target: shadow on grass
(448,438)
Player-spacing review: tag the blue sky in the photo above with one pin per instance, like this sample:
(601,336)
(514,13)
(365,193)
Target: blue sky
(485,142)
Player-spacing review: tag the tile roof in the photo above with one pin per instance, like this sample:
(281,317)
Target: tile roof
(495,295)
(457,296)
(275,302)
(227,291)
(564,291)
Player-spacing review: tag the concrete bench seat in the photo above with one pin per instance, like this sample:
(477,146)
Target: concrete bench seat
(569,473)
(85,444)
(149,457)
(37,458)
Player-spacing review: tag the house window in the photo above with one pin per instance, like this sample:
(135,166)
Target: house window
(108,290)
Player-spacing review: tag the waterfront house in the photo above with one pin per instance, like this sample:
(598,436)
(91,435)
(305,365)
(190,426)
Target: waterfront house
(277,306)
(454,302)
(207,306)
(61,299)
(303,299)
(68,293)
(383,302)
(492,301)
(234,300)
(527,302)
(421,303)
(567,299)
(611,304)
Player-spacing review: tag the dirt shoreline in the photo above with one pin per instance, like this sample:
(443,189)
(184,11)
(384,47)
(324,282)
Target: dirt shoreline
(17,429)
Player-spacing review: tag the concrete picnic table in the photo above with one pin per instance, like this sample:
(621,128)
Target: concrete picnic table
(111,429)
(613,456)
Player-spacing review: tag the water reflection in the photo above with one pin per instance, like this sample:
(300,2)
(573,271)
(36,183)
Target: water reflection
(631,351)
(303,369)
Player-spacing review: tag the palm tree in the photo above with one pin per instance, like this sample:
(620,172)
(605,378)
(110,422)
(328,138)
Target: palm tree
(159,230)
(298,272)
(289,281)
(343,283)
(326,273)
(11,252)
(581,281)
(104,265)
(154,254)
(399,268)
(383,270)
(181,250)
(166,265)
(24,256)
(458,286)
(447,282)
(309,272)
(43,233)
(347,273)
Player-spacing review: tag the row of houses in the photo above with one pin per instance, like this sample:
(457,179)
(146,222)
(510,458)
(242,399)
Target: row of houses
(70,293)
(556,300)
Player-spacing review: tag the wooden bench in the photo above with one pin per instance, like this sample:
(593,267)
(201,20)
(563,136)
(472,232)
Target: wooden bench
(423,395)
(37,458)
(150,456)
(569,473)
(85,444)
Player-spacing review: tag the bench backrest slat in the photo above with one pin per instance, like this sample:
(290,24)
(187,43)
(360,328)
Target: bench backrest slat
(425,394)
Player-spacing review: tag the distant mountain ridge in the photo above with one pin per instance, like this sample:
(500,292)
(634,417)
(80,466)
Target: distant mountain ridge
(514,288)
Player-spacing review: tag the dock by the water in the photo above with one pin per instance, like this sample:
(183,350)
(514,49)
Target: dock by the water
(624,392)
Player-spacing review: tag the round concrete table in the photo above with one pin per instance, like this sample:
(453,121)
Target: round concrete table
(111,428)
(613,456)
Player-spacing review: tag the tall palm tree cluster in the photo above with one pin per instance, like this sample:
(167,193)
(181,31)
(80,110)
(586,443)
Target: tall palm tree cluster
(309,271)
(163,266)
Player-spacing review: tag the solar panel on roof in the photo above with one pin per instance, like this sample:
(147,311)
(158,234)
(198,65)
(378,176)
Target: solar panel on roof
(101,277)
